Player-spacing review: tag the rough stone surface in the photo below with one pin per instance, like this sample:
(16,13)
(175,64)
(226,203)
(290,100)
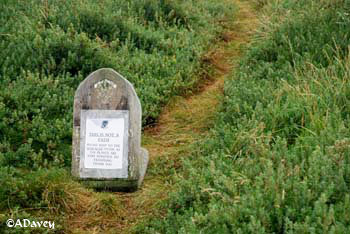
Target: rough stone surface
(104,91)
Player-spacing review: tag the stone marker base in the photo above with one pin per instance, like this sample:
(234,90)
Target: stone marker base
(120,185)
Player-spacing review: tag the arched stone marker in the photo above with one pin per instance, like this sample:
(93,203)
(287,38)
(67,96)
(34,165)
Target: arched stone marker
(106,150)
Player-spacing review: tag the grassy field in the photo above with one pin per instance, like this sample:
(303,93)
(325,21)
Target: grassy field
(48,47)
(278,159)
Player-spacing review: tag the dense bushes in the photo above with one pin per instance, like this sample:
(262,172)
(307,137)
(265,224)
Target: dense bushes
(48,47)
(278,160)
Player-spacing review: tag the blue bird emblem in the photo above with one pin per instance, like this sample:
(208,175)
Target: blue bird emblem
(104,124)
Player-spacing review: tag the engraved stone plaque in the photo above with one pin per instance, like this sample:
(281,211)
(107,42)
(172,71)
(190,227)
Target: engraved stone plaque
(106,150)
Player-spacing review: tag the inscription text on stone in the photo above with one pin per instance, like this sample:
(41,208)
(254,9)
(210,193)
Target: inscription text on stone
(104,143)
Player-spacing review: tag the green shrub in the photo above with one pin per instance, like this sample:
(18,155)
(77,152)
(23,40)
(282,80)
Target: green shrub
(22,194)
(278,159)
(46,50)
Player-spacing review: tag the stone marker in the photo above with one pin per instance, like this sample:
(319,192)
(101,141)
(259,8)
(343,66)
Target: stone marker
(106,150)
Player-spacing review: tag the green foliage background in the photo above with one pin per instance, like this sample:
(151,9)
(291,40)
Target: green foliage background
(278,160)
(48,47)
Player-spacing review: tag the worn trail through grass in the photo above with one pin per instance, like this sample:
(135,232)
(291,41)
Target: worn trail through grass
(184,121)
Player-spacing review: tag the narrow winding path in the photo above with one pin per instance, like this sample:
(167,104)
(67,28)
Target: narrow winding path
(187,120)
(184,121)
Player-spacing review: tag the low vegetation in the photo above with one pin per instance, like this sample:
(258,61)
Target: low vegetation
(278,159)
(48,47)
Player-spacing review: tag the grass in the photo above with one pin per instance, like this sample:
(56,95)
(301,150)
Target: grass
(48,48)
(187,121)
(183,122)
(277,159)
(266,151)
